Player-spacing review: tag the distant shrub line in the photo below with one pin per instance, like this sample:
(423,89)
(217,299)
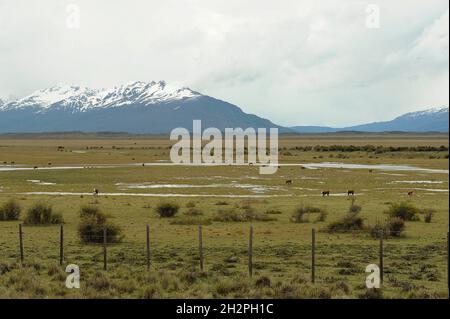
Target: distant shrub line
(369,148)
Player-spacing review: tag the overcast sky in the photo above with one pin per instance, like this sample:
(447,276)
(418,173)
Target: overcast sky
(294,62)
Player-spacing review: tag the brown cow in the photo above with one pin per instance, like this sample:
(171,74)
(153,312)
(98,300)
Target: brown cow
(410,193)
(350,192)
(325,193)
(289,182)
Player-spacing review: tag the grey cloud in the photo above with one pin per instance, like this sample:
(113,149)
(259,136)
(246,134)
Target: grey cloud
(295,62)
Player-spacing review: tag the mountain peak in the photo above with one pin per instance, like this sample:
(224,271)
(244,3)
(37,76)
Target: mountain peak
(427,112)
(135,107)
(81,99)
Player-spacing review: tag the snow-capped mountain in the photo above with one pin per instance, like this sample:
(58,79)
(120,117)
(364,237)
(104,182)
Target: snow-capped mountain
(156,107)
(82,99)
(442,110)
(432,119)
(136,107)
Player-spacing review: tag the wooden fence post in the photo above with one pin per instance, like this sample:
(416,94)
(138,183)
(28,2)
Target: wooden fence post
(148,247)
(250,252)
(105,241)
(21,243)
(61,245)
(200,245)
(313,255)
(381,257)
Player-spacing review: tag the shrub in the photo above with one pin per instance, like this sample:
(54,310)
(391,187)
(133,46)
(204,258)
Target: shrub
(227,216)
(354,208)
(322,216)
(273,212)
(393,227)
(247,215)
(167,209)
(403,210)
(193,212)
(10,210)
(92,225)
(190,204)
(42,214)
(250,215)
(351,221)
(428,215)
(221,203)
(300,215)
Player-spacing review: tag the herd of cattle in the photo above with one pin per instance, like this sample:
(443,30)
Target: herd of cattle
(350,192)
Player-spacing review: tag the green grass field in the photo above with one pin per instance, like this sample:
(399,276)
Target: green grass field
(415,263)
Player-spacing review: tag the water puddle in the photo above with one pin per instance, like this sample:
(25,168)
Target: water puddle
(254,188)
(417,182)
(384,167)
(153,195)
(39,182)
(437,190)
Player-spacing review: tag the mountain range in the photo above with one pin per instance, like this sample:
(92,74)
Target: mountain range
(136,107)
(156,107)
(429,120)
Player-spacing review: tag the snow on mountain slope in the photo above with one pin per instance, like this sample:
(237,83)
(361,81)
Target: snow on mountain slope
(433,119)
(427,112)
(81,99)
(136,107)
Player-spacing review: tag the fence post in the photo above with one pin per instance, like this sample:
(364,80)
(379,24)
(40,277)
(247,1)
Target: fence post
(21,243)
(381,257)
(61,245)
(250,252)
(105,261)
(200,245)
(313,255)
(148,247)
(448,266)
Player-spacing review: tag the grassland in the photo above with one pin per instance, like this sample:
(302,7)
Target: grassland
(415,264)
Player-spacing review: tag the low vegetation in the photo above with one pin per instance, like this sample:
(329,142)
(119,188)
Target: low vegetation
(403,210)
(393,227)
(42,214)
(92,225)
(350,222)
(415,265)
(193,212)
(428,215)
(166,210)
(249,214)
(301,214)
(10,210)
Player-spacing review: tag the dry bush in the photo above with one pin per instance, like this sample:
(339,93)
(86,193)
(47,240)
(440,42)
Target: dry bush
(42,214)
(92,224)
(10,210)
(167,209)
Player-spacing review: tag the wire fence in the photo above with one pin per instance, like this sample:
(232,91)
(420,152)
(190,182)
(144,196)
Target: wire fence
(320,258)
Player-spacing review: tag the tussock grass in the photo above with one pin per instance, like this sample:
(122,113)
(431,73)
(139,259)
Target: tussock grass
(10,210)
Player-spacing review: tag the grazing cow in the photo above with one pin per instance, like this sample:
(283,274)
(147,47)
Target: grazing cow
(95,191)
(325,193)
(289,182)
(350,192)
(410,193)
(370,170)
